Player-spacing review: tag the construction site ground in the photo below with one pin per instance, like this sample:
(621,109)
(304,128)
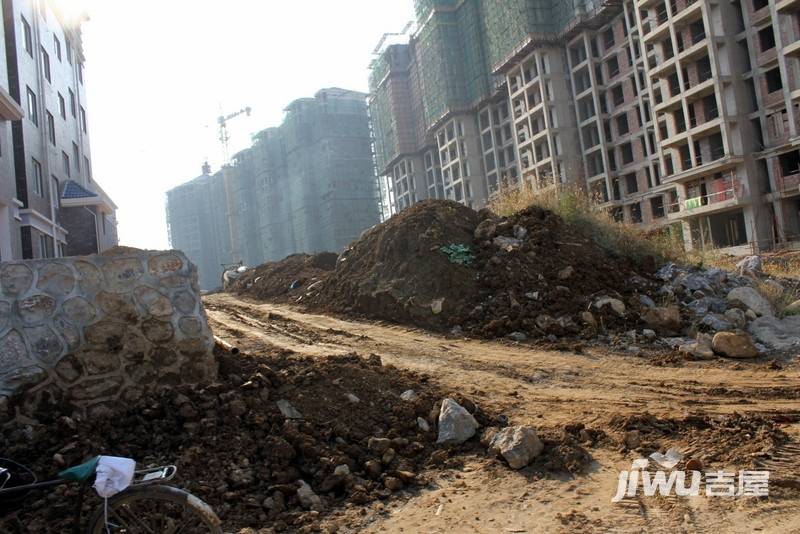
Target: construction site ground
(551,390)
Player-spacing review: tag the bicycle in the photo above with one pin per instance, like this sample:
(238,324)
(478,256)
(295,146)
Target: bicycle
(146,506)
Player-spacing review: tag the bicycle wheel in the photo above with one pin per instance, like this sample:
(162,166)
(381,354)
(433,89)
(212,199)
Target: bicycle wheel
(155,510)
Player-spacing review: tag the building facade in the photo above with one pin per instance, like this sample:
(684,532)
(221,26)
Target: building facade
(50,205)
(308,185)
(680,113)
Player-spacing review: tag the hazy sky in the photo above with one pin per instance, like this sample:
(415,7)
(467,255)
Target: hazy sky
(159,70)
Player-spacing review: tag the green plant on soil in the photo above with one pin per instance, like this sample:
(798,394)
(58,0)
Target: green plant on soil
(460,254)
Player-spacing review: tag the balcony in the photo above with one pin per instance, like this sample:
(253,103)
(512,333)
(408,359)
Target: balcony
(724,163)
(788,185)
(688,9)
(792,50)
(728,193)
(787,5)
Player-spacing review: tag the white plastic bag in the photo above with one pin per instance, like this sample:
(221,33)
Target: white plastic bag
(113,474)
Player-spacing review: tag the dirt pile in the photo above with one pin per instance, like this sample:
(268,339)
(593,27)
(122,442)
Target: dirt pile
(397,271)
(287,279)
(441,265)
(730,441)
(357,440)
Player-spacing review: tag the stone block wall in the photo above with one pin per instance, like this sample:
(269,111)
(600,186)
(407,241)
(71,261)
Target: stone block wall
(91,333)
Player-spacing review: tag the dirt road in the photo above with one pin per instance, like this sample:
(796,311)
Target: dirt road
(549,390)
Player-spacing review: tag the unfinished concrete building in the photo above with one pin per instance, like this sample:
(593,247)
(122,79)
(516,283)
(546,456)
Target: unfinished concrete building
(197,223)
(670,112)
(308,185)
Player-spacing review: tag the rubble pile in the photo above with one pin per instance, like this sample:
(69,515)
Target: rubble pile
(441,265)
(286,279)
(276,442)
(720,441)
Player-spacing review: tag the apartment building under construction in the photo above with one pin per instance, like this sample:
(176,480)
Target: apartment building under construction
(308,185)
(669,112)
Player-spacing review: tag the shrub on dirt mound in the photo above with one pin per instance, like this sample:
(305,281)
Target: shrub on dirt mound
(236,450)
(285,279)
(398,271)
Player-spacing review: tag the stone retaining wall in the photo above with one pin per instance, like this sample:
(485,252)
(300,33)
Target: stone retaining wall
(92,332)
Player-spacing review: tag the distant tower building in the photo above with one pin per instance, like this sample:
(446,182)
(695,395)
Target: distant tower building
(197,221)
(308,185)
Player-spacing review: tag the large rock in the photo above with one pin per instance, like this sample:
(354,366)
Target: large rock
(518,445)
(456,424)
(617,305)
(748,298)
(734,345)
(750,265)
(717,322)
(780,334)
(793,308)
(486,230)
(663,320)
(700,349)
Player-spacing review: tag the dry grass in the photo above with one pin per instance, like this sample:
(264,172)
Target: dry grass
(779,295)
(577,208)
(777,265)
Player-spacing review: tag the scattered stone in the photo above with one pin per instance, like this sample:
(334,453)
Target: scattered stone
(700,349)
(393,483)
(696,282)
(388,456)
(717,322)
(588,319)
(737,317)
(694,465)
(373,468)
(517,336)
(734,345)
(793,308)
(308,499)
(566,272)
(456,425)
(646,301)
(423,424)
(352,398)
(616,304)
(341,470)
(409,395)
(751,265)
(507,244)
(436,306)
(663,320)
(648,334)
(747,298)
(750,315)
(379,445)
(781,334)
(485,230)
(287,410)
(632,439)
(518,445)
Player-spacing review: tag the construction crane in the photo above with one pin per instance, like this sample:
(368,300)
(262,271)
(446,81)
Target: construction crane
(224,136)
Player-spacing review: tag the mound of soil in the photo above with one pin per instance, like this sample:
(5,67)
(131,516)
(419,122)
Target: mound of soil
(285,280)
(235,449)
(396,270)
(441,265)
